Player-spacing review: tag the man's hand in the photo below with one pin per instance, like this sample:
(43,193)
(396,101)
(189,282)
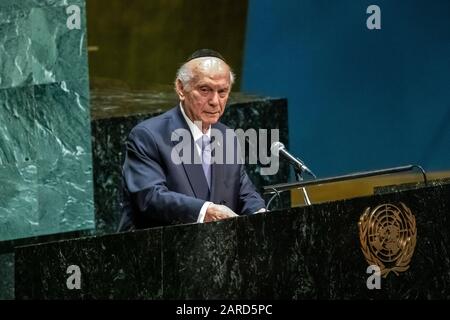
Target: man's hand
(218,212)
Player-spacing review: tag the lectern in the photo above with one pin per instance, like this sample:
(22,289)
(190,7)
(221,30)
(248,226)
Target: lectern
(329,250)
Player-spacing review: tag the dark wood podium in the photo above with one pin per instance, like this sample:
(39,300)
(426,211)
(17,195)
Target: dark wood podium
(311,252)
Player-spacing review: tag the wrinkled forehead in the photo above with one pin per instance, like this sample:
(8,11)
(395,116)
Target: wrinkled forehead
(209,66)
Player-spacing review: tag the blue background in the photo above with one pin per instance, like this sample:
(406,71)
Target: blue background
(359,99)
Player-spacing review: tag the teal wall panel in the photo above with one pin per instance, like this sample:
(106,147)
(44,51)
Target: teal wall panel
(17,127)
(37,47)
(64,161)
(19,201)
(45,144)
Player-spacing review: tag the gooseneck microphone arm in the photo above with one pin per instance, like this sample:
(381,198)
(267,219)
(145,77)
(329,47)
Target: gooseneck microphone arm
(305,169)
(299,178)
(279,149)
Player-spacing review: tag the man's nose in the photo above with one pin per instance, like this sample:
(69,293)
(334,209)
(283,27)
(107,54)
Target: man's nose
(214,99)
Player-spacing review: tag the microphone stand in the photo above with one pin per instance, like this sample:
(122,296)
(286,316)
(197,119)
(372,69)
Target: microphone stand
(299,178)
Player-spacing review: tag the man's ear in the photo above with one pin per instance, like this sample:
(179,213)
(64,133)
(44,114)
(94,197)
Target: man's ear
(180,89)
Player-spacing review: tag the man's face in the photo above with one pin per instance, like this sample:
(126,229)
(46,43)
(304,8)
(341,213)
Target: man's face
(205,97)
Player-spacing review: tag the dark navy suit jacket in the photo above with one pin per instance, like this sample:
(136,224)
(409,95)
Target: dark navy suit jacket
(157,191)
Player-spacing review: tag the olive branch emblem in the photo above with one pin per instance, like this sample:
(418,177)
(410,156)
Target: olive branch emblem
(388,237)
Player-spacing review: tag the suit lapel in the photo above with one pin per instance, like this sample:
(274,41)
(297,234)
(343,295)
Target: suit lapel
(194,172)
(216,181)
(217,174)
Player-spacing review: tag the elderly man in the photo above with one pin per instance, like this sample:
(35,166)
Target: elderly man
(160,191)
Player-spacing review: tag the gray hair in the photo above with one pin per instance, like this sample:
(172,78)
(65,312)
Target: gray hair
(185,74)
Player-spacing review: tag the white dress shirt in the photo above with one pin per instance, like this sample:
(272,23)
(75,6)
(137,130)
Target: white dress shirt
(197,134)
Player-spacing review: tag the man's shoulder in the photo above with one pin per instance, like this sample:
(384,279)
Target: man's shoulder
(154,124)
(220,126)
(225,130)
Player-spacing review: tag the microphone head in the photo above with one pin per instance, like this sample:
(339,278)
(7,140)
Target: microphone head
(276,147)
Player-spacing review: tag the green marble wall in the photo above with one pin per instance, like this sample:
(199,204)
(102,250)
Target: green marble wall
(45,149)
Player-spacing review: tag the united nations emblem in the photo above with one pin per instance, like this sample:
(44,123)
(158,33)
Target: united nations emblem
(388,237)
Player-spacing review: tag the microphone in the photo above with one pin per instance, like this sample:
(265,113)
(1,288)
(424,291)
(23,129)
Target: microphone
(278,148)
